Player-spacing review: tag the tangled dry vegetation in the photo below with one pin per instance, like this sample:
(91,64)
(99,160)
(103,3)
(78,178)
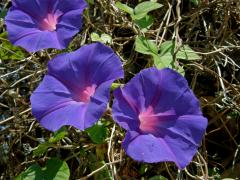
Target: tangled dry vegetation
(212,29)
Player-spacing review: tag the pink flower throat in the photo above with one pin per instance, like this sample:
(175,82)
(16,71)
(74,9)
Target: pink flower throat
(148,120)
(49,23)
(87,93)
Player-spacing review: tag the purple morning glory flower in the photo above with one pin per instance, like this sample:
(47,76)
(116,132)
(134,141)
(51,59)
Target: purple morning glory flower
(161,115)
(76,89)
(40,24)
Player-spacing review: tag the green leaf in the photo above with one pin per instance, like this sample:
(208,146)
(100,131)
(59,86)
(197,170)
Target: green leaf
(97,133)
(41,149)
(145,22)
(106,38)
(115,86)
(95,37)
(145,46)
(124,7)
(3,13)
(55,169)
(162,61)
(165,56)
(142,9)
(195,2)
(158,178)
(166,47)
(34,172)
(58,135)
(90,1)
(180,70)
(187,53)
(143,169)
(8,51)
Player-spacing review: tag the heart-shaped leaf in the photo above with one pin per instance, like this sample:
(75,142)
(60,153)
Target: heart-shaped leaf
(55,169)
(142,9)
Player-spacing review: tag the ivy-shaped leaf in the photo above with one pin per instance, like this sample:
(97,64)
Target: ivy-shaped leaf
(55,169)
(41,149)
(166,48)
(160,62)
(140,13)
(124,7)
(145,46)
(184,52)
(104,38)
(97,133)
(95,37)
(142,9)
(145,22)
(57,136)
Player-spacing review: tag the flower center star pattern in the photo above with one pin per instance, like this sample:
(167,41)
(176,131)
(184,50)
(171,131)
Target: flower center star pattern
(76,89)
(149,120)
(49,23)
(36,25)
(161,115)
(87,93)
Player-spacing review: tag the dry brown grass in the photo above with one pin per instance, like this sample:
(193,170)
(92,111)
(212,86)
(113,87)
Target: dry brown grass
(212,29)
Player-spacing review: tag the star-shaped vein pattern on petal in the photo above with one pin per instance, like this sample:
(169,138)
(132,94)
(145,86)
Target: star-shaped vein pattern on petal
(162,117)
(76,89)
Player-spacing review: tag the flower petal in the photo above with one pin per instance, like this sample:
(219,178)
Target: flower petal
(68,26)
(189,127)
(33,41)
(105,64)
(49,95)
(147,148)
(177,143)
(19,27)
(66,6)
(91,64)
(72,114)
(124,111)
(34,8)
(176,94)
